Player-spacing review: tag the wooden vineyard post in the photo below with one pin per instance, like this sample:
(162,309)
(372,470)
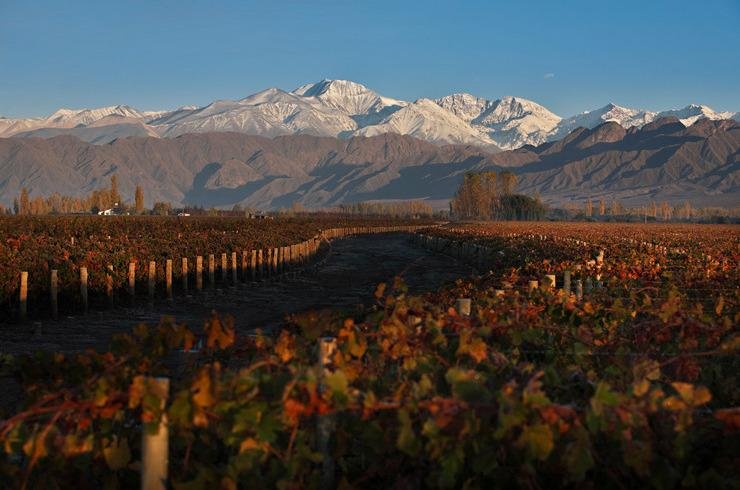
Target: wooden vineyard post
(325,424)
(245,265)
(155,446)
(579,289)
(54,294)
(199,273)
(152,280)
(566,283)
(23,296)
(549,282)
(109,285)
(260,264)
(589,285)
(274,265)
(83,289)
(253,265)
(224,265)
(462,306)
(211,271)
(168,278)
(184,273)
(234,279)
(132,281)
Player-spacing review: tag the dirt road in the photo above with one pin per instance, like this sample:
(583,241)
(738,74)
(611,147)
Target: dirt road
(345,278)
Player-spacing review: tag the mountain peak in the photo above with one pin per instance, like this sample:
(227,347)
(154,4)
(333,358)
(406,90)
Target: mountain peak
(352,98)
(328,86)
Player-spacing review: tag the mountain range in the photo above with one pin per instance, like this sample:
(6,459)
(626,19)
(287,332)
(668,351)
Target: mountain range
(345,109)
(204,161)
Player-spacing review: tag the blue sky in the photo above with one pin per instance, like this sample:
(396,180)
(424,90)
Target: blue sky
(568,55)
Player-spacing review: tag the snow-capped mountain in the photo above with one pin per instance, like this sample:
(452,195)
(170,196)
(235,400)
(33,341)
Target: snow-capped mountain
(426,120)
(691,113)
(353,99)
(509,122)
(626,118)
(272,112)
(342,108)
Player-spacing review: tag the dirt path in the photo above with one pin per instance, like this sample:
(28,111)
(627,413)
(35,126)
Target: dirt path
(345,278)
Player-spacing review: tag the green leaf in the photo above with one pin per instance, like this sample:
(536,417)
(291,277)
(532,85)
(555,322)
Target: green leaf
(338,384)
(538,441)
(117,454)
(407,440)
(578,457)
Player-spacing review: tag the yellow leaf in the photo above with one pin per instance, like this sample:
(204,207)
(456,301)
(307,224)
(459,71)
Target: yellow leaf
(202,388)
(674,404)
(249,444)
(641,387)
(693,396)
(285,346)
(136,391)
(219,333)
(720,305)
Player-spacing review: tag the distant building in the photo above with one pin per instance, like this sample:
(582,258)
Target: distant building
(116,210)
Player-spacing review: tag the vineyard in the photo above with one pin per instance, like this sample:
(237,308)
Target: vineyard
(578,355)
(107,246)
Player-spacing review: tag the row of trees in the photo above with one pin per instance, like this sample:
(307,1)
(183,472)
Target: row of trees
(401,209)
(663,211)
(488,195)
(97,200)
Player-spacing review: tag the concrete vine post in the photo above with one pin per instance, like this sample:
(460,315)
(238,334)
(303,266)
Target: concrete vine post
(463,306)
(325,424)
(155,446)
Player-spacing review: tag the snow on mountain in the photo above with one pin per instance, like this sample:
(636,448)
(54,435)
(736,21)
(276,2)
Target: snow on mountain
(512,122)
(11,126)
(342,108)
(626,117)
(693,112)
(425,119)
(509,122)
(465,106)
(349,97)
(67,118)
(272,112)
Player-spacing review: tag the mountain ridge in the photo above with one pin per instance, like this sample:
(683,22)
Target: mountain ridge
(343,108)
(662,161)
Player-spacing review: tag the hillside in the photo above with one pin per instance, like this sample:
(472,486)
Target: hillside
(664,160)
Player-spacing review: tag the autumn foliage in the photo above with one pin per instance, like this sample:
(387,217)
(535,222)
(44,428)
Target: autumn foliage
(635,385)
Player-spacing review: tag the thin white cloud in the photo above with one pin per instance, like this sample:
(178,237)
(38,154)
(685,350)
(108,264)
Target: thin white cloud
(548,76)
